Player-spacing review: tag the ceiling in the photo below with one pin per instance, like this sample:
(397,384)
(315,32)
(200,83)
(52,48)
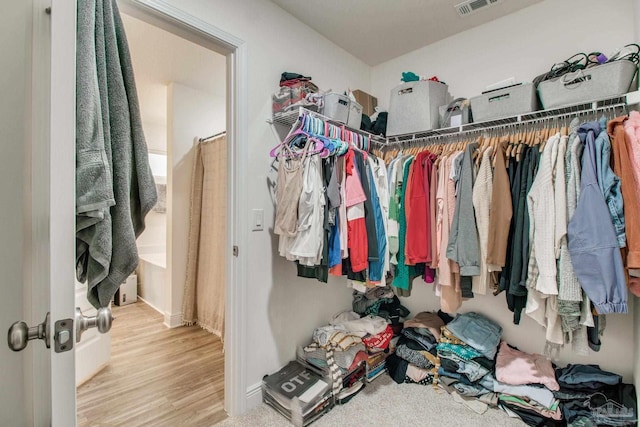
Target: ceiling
(379,30)
(159,58)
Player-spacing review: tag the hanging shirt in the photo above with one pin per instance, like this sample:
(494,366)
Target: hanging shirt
(395,177)
(342,210)
(632,129)
(433,211)
(481,198)
(416,249)
(623,167)
(362,167)
(288,189)
(404,272)
(382,189)
(377,266)
(356,226)
(308,242)
(542,304)
(500,212)
(541,206)
(463,244)
(517,294)
(448,287)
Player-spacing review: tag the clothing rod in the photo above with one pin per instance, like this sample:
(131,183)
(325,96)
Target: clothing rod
(208,138)
(507,123)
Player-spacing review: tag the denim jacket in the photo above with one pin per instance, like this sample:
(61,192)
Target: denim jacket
(608,181)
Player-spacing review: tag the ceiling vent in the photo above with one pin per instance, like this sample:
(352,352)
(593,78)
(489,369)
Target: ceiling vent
(472,6)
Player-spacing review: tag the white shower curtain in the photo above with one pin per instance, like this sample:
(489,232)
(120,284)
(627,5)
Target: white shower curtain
(204,293)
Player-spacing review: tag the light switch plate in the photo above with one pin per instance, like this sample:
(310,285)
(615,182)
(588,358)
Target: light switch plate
(258,220)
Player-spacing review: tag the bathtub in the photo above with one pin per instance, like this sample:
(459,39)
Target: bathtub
(152,276)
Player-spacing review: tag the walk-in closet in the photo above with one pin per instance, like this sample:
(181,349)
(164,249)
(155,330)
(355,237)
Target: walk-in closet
(429,213)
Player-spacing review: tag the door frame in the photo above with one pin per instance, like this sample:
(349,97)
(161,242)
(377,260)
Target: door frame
(51,198)
(164,15)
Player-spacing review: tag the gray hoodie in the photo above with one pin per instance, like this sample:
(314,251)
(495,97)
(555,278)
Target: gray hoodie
(593,245)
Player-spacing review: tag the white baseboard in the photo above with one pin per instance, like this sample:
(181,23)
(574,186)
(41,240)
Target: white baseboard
(254,396)
(173,320)
(151,305)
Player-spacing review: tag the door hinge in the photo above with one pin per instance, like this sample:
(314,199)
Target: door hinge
(235,250)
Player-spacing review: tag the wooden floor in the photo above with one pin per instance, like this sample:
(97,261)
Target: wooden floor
(156,377)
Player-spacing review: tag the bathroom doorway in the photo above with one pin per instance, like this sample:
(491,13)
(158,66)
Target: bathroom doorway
(151,368)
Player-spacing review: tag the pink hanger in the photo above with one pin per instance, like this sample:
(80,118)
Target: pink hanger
(303,121)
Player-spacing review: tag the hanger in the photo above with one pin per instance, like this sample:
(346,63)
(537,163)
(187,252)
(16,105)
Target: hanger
(304,122)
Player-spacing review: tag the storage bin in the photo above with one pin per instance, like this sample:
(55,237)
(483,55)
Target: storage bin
(355,115)
(413,106)
(508,101)
(368,102)
(127,293)
(599,82)
(336,107)
(456,113)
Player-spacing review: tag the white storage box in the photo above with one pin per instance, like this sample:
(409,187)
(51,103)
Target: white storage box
(128,291)
(413,106)
(505,102)
(355,115)
(599,82)
(336,107)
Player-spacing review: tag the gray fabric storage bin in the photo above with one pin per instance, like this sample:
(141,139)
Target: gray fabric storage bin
(413,106)
(355,115)
(599,82)
(456,113)
(505,102)
(336,107)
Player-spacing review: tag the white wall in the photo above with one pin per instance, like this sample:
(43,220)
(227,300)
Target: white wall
(190,114)
(282,309)
(523,45)
(155,231)
(15,21)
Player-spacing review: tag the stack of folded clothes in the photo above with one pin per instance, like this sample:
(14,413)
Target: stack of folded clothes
(590,396)
(377,349)
(342,349)
(415,359)
(467,349)
(299,394)
(525,384)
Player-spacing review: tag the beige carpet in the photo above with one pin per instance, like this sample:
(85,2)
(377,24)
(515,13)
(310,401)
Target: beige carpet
(384,403)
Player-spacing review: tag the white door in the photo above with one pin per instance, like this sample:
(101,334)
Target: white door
(37,247)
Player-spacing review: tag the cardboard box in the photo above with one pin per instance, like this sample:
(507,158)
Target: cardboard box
(368,102)
(128,291)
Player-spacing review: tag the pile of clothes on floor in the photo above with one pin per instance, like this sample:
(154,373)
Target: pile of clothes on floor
(466,357)
(342,349)
(415,359)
